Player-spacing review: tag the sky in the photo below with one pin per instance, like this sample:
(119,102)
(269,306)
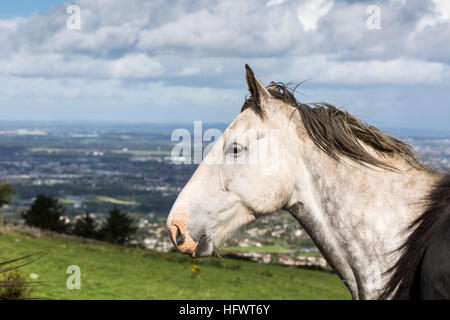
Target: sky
(386,61)
(25,8)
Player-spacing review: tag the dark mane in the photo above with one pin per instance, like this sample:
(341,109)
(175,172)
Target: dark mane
(339,134)
(405,274)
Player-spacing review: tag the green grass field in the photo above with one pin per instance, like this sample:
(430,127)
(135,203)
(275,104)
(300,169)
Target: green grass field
(267,249)
(116,272)
(264,249)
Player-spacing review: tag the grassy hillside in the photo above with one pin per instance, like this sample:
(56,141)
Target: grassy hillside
(114,272)
(265,249)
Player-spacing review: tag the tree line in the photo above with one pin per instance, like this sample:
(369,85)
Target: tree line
(48,213)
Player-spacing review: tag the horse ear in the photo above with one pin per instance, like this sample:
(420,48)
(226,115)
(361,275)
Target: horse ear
(256,88)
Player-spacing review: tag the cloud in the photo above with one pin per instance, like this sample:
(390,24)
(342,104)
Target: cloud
(198,49)
(274,2)
(136,66)
(309,12)
(147,35)
(396,71)
(227,29)
(109,100)
(132,66)
(440,14)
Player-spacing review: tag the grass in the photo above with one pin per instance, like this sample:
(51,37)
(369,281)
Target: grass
(263,249)
(268,249)
(116,272)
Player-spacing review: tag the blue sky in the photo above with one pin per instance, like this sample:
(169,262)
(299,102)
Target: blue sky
(25,8)
(155,61)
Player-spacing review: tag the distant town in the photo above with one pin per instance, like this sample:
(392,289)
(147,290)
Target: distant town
(92,169)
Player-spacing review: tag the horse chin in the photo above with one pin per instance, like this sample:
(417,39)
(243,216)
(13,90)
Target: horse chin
(204,248)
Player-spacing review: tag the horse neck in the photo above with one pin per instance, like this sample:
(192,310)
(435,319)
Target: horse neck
(357,216)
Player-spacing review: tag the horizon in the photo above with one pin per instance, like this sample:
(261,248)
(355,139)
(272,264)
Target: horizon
(105,124)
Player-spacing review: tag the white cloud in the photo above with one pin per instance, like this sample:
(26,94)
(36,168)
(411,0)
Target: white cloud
(109,100)
(132,66)
(189,71)
(136,66)
(310,12)
(440,14)
(145,40)
(397,71)
(227,29)
(10,24)
(274,2)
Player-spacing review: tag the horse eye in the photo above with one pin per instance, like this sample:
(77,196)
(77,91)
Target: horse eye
(236,149)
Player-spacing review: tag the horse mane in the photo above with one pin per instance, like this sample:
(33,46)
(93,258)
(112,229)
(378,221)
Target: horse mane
(405,274)
(338,133)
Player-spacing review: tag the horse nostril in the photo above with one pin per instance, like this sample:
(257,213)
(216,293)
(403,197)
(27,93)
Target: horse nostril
(180,238)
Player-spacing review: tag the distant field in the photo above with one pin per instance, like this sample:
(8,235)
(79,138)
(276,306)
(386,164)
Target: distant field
(144,153)
(65,201)
(115,272)
(114,201)
(101,199)
(56,150)
(136,153)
